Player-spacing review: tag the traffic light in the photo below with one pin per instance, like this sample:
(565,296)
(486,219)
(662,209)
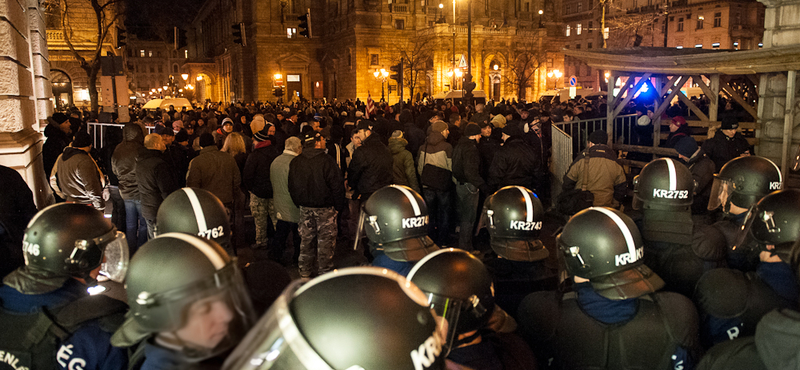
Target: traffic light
(278,92)
(304,28)
(239,34)
(121,36)
(397,73)
(179,37)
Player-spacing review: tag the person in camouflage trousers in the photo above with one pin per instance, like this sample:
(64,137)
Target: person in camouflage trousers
(317,225)
(317,187)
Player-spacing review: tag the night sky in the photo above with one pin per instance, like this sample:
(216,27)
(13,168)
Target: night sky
(154,19)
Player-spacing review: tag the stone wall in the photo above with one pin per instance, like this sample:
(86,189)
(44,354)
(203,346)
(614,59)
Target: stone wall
(782,30)
(26,100)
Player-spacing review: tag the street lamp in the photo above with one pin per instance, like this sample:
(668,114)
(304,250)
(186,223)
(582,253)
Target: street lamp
(199,78)
(185,76)
(278,76)
(381,74)
(541,24)
(555,74)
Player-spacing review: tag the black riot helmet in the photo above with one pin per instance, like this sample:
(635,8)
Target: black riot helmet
(353,318)
(176,280)
(64,241)
(197,212)
(513,215)
(459,288)
(396,220)
(663,184)
(603,245)
(774,220)
(743,181)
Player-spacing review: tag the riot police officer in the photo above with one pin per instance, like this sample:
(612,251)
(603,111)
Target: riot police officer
(395,219)
(675,248)
(188,302)
(613,318)
(518,262)
(49,319)
(732,301)
(460,289)
(353,318)
(739,185)
(199,212)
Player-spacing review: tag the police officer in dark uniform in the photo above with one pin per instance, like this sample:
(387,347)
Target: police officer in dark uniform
(613,318)
(48,318)
(739,185)
(396,220)
(676,249)
(460,289)
(353,318)
(732,302)
(188,303)
(518,262)
(199,212)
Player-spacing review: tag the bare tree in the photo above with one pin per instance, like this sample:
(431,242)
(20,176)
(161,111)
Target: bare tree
(89,33)
(626,26)
(417,53)
(523,65)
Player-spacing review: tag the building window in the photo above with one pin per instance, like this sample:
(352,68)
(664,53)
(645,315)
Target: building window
(141,53)
(578,29)
(568,29)
(590,27)
(589,45)
(160,68)
(577,46)
(715,45)
(680,24)
(174,68)
(717,19)
(580,6)
(567,8)
(291,32)
(400,24)
(700,20)
(186,54)
(527,6)
(150,53)
(374,59)
(152,69)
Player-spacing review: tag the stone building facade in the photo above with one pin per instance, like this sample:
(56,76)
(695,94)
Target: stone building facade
(351,39)
(715,24)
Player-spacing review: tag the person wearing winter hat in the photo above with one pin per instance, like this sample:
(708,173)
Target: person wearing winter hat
(79,178)
(702,169)
(515,162)
(434,162)
(727,143)
(222,133)
(678,129)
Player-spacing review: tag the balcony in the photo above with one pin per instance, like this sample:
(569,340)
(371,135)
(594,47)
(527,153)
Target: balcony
(55,35)
(400,8)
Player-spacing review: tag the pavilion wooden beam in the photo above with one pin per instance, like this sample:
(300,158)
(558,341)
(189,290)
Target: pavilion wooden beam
(610,102)
(670,85)
(693,107)
(750,109)
(630,94)
(676,90)
(713,108)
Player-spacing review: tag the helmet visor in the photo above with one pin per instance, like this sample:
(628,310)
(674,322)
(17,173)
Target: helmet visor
(637,202)
(447,312)
(276,342)
(721,191)
(116,260)
(218,317)
(745,240)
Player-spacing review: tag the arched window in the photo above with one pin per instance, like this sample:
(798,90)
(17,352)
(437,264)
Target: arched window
(174,68)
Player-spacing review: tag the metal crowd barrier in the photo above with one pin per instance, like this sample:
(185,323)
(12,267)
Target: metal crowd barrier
(98,132)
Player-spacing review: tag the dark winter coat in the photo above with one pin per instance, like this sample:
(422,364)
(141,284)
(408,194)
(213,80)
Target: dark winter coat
(722,148)
(56,141)
(255,176)
(515,163)
(467,163)
(371,166)
(156,181)
(403,169)
(315,180)
(123,161)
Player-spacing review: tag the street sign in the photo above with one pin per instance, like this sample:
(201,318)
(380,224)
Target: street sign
(573,81)
(463,62)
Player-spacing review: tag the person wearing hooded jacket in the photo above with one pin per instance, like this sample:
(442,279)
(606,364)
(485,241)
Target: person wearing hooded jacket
(437,152)
(403,169)
(256,179)
(597,168)
(123,164)
(78,175)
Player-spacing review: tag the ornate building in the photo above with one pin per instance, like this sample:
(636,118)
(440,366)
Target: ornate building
(513,46)
(70,82)
(707,24)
